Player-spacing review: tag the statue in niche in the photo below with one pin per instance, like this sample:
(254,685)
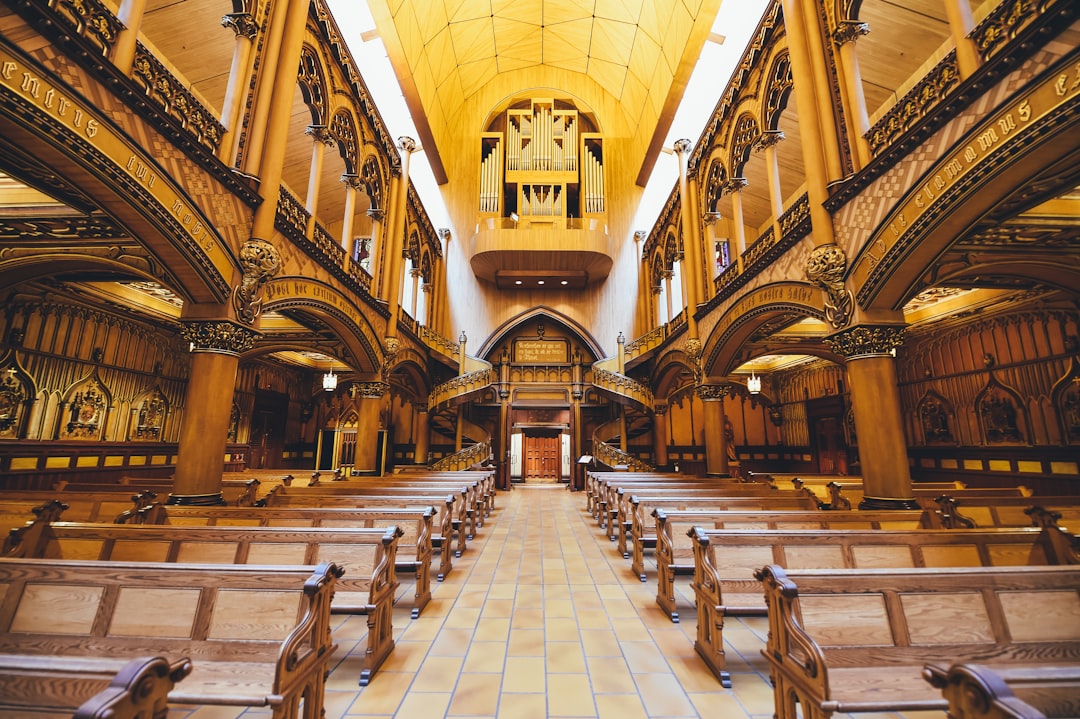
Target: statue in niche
(151,417)
(86,412)
(934,417)
(997,412)
(234,423)
(12,397)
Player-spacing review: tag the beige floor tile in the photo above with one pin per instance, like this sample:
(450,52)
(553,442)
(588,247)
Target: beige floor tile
(383,695)
(425,705)
(485,657)
(489,630)
(663,695)
(438,674)
(570,695)
(522,706)
(476,695)
(524,674)
(565,657)
(600,643)
(526,643)
(610,675)
(620,706)
(561,629)
(716,705)
(451,642)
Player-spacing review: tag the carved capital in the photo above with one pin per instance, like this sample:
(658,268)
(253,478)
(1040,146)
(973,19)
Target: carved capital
(866,341)
(850,31)
(825,267)
(769,138)
(376,214)
(352,181)
(406,144)
(712,392)
(220,336)
(242,23)
(260,262)
(640,235)
(735,184)
(683,146)
(444,233)
(710,218)
(320,133)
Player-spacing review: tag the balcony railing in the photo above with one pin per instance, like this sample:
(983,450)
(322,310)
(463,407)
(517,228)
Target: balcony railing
(467,457)
(623,386)
(459,387)
(615,457)
(648,341)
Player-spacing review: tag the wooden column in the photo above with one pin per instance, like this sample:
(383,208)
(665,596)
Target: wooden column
(716,457)
(243,25)
(423,433)
(367,431)
(130,14)
(320,140)
(660,436)
(734,187)
(961,23)
(845,37)
(811,125)
(394,275)
(875,401)
(691,265)
(352,186)
(208,401)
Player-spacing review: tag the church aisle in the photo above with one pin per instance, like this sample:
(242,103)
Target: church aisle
(542,618)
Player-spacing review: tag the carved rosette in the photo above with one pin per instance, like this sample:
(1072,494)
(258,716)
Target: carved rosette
(866,341)
(825,267)
(711,392)
(260,262)
(693,348)
(242,23)
(220,336)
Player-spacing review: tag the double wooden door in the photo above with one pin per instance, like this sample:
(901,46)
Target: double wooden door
(541,458)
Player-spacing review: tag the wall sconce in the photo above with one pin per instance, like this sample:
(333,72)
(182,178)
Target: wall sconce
(753,384)
(329,380)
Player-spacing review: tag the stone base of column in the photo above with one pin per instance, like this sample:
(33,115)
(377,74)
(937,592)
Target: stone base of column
(196,500)
(883,503)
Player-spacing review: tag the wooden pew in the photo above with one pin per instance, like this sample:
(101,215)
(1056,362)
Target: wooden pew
(233,493)
(450,506)
(846,640)
(466,498)
(354,549)
(427,537)
(642,533)
(725,562)
(257,635)
(674,537)
(605,488)
(968,512)
(48,687)
(18,507)
(618,508)
(976,691)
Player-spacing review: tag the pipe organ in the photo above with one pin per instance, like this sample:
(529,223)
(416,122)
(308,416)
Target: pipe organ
(542,162)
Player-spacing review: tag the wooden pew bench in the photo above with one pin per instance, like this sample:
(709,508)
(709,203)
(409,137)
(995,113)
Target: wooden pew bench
(465,500)
(357,550)
(61,688)
(845,640)
(448,522)
(256,635)
(969,512)
(640,524)
(18,507)
(725,561)
(480,486)
(422,526)
(597,482)
(620,507)
(674,538)
(976,691)
(606,501)
(234,493)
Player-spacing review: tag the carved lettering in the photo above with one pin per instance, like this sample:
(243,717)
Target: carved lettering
(987,140)
(30,85)
(50,98)
(1024,110)
(1007,124)
(1062,84)
(970,155)
(953,168)
(7,70)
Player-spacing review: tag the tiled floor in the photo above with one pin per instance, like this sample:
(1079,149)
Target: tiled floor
(542,618)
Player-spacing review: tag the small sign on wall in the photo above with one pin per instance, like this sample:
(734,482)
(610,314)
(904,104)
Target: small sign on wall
(540,351)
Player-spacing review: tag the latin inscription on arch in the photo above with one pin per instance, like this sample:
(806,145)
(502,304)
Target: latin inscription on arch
(1048,96)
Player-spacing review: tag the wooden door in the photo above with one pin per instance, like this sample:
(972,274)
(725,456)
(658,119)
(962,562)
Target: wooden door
(541,458)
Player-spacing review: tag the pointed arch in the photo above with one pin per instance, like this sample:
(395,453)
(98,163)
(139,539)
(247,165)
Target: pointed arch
(1001,414)
(541,312)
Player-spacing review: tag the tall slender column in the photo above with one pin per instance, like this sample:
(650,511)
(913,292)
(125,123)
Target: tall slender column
(961,23)
(440,319)
(709,220)
(811,126)
(352,187)
(845,37)
(208,399)
(642,320)
(660,436)
(130,14)
(691,269)
(244,26)
(321,139)
(716,457)
(667,296)
(394,245)
(420,448)
(701,276)
(378,240)
(875,401)
(272,154)
(768,142)
(734,187)
(414,306)
(424,312)
(267,100)
(824,101)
